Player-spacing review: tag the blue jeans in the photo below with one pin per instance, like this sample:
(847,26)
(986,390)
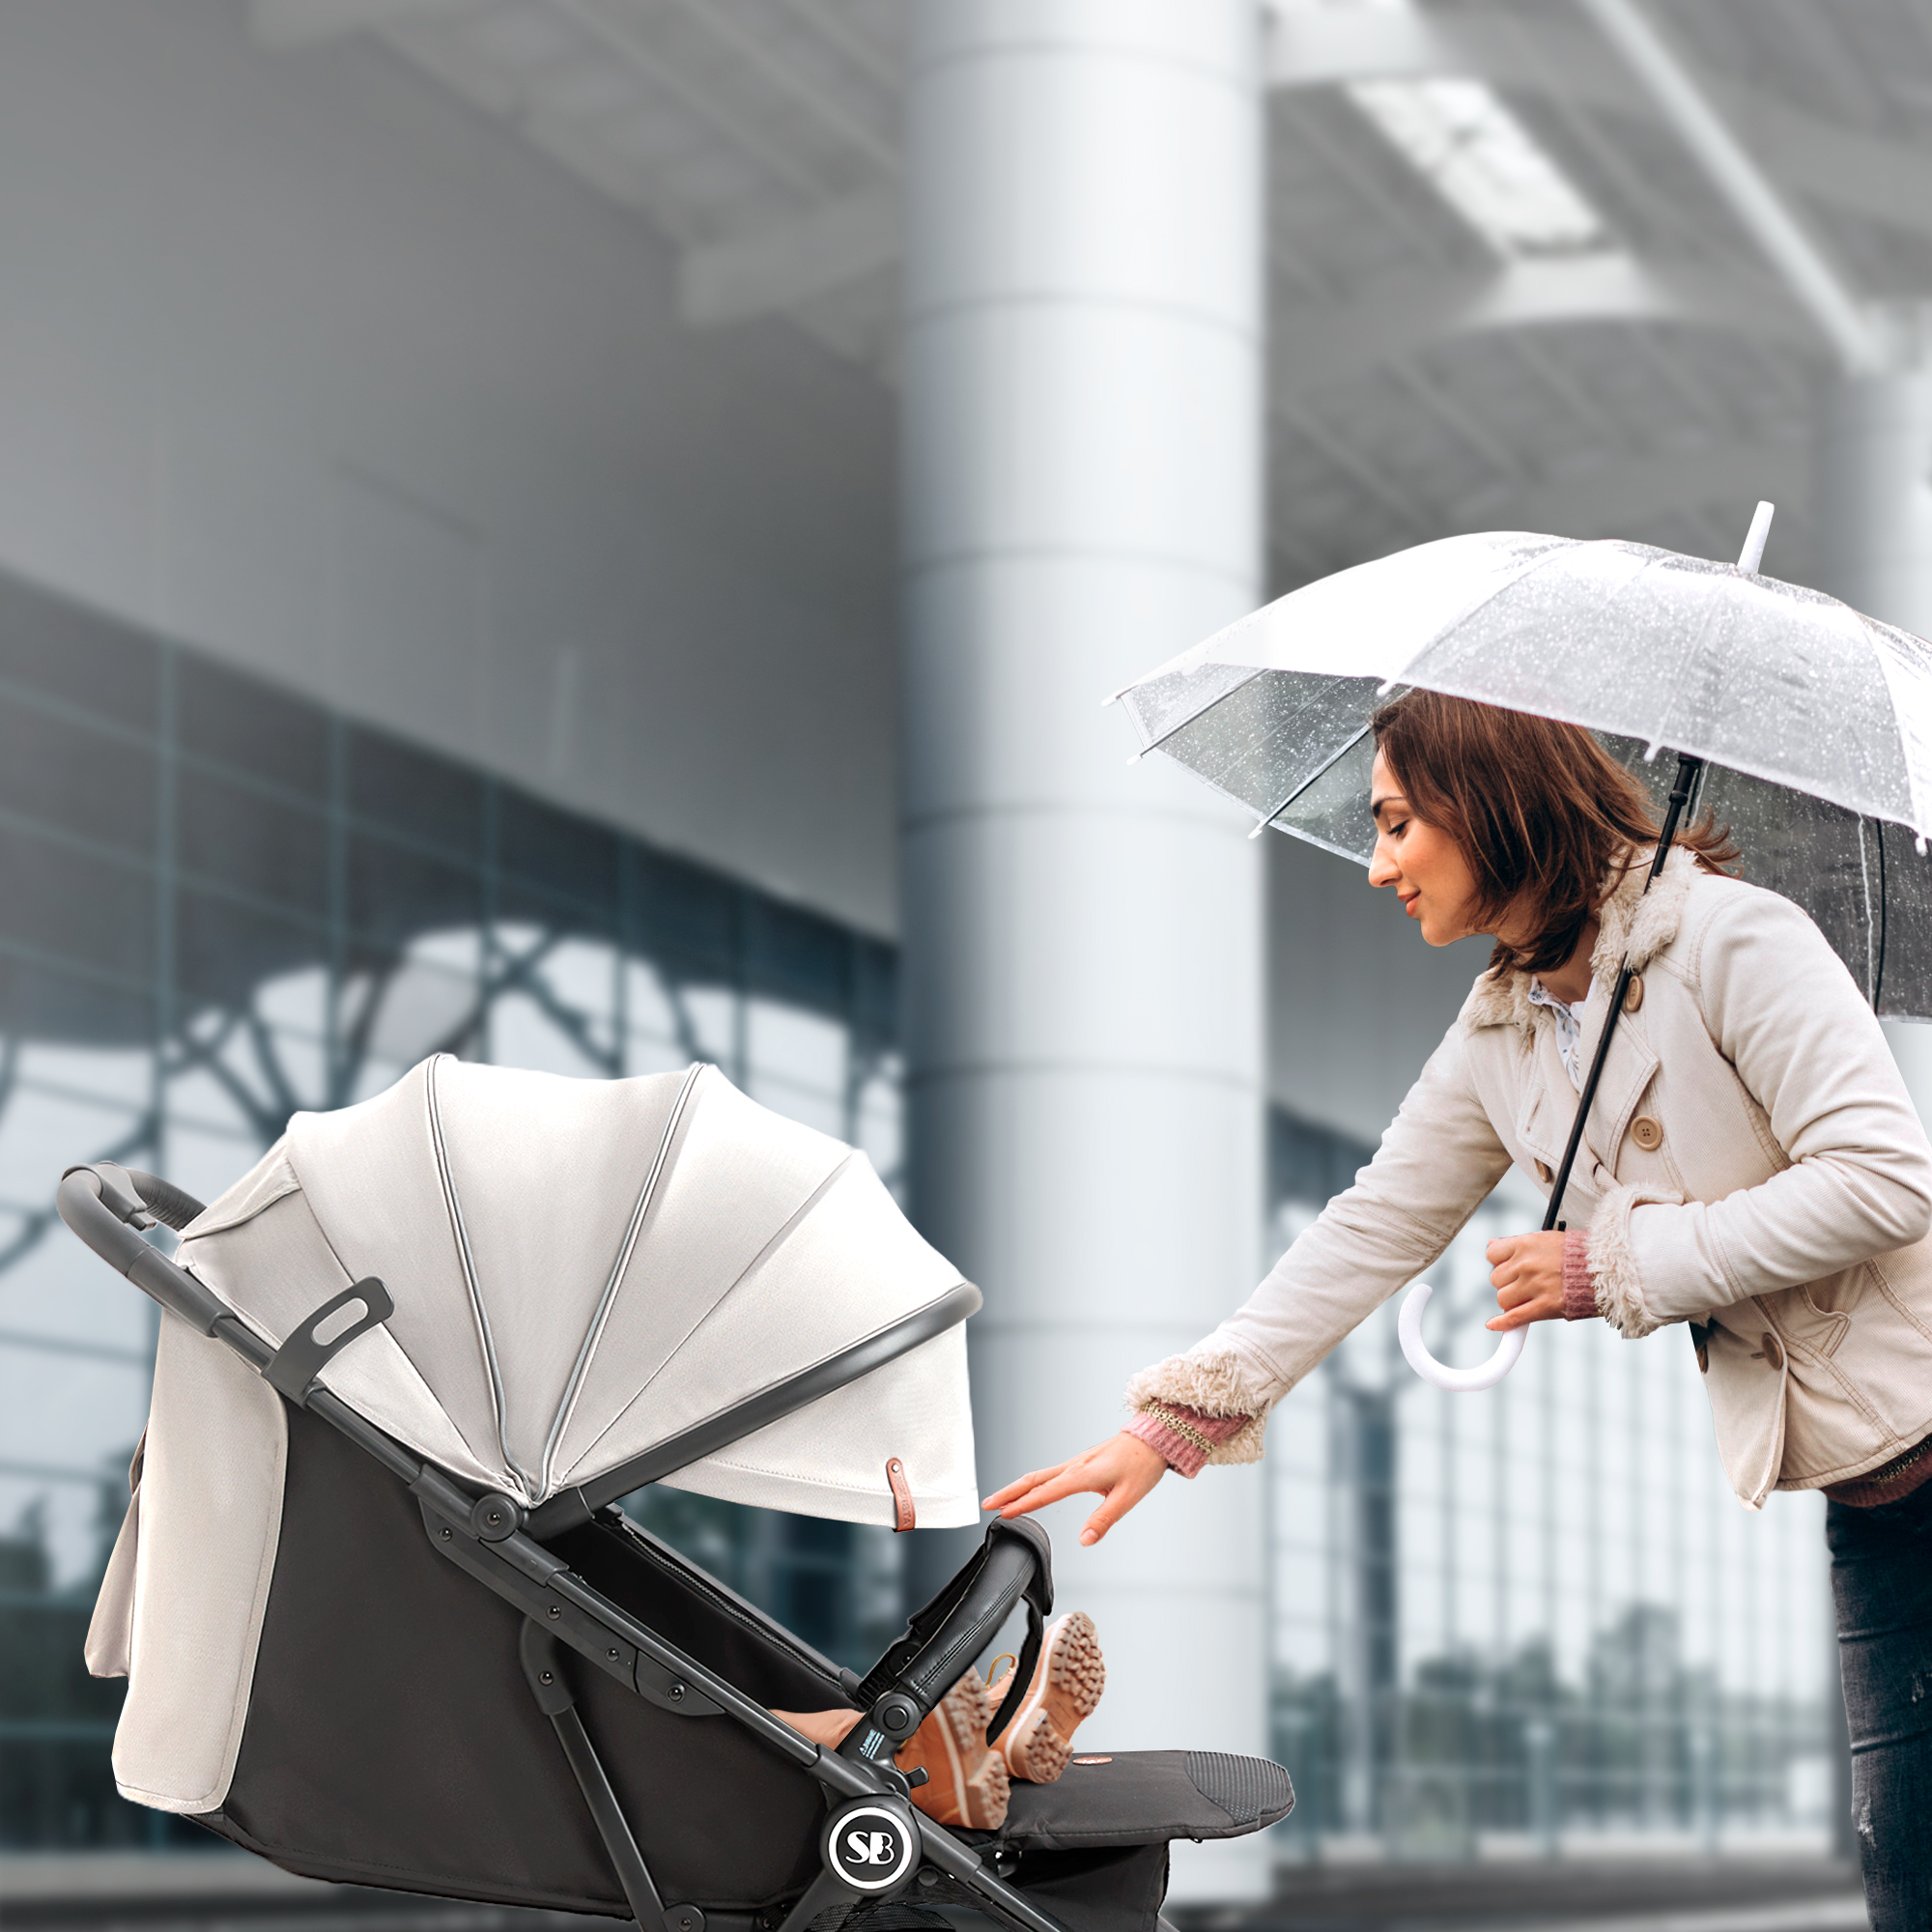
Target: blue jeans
(1882,1584)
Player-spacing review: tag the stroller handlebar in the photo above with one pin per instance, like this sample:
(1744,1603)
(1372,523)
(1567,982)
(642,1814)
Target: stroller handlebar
(106,1206)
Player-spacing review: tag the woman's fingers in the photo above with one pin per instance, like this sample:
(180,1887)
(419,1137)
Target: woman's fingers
(1022,1485)
(1068,1480)
(1122,1469)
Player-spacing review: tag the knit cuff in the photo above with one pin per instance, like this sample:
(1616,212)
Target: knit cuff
(1215,1385)
(1183,1438)
(1580,1284)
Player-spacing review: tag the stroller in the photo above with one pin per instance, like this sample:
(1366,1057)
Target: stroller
(382,1618)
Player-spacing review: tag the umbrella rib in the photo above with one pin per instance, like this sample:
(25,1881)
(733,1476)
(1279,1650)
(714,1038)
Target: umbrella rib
(1155,744)
(1328,764)
(567,1402)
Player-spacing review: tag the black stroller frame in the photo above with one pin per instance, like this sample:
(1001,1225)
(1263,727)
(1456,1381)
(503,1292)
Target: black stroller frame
(874,1846)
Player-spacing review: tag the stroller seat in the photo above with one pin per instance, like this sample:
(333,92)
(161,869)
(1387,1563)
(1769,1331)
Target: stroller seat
(381,1619)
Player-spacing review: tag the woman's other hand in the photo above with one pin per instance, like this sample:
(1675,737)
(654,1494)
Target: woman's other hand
(1527,1271)
(1120,1470)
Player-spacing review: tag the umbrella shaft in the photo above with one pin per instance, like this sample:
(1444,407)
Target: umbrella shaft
(1687,771)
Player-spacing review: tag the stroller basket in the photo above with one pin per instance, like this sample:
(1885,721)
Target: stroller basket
(467,1673)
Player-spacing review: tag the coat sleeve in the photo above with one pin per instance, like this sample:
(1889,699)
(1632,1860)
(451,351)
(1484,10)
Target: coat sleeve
(1436,1164)
(1782,1010)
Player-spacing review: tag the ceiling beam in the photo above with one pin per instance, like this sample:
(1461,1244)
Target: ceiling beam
(1318,47)
(1637,488)
(1314,349)
(837,243)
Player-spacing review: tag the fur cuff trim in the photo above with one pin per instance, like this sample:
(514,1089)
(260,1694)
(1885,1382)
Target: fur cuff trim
(1613,1265)
(1213,1383)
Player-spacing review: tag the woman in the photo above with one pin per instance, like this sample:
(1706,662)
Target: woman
(1752,1166)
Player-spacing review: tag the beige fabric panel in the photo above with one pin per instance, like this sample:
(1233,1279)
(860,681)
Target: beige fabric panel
(829,1460)
(111,1629)
(370,1175)
(847,1269)
(740,1173)
(274,1269)
(548,1172)
(211,1510)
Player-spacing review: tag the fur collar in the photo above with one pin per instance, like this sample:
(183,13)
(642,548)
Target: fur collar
(1633,922)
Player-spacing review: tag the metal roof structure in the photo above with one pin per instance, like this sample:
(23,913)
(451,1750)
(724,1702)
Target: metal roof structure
(1503,292)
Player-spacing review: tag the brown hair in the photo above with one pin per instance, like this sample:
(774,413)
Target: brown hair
(1543,815)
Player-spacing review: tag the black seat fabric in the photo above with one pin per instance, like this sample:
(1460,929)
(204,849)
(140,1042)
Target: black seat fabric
(391,1738)
(392,1741)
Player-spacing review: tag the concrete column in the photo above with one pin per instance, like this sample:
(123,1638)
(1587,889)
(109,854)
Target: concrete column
(1083,419)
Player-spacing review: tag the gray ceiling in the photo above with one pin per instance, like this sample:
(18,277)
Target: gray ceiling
(1422,380)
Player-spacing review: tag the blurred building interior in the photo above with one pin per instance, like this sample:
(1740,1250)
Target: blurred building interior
(592,533)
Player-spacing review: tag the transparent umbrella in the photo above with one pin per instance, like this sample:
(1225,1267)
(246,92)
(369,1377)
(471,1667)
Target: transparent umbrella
(1804,726)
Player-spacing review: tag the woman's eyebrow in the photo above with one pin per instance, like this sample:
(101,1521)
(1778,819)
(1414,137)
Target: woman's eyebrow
(1381,800)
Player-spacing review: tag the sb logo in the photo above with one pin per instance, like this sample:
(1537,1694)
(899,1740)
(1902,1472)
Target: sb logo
(871,1845)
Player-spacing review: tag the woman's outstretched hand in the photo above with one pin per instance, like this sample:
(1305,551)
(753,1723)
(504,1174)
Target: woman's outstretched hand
(1120,1470)
(1527,1272)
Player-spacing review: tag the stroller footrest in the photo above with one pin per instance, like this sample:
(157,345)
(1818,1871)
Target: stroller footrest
(1145,1798)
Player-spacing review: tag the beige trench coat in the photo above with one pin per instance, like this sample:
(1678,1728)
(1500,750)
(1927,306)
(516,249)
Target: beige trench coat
(1753,1163)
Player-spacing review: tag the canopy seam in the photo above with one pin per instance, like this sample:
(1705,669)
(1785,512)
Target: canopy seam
(777,1240)
(579,1369)
(461,1234)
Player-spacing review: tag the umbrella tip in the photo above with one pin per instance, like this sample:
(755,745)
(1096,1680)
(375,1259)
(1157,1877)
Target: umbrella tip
(1260,825)
(1752,553)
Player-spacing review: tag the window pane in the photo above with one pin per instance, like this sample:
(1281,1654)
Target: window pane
(251,843)
(407,789)
(557,850)
(83,782)
(224,950)
(268,734)
(394,894)
(57,648)
(93,911)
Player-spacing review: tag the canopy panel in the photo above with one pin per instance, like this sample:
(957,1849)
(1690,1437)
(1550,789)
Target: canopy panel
(583,1269)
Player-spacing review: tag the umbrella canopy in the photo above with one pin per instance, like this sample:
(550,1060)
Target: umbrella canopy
(583,1270)
(1815,721)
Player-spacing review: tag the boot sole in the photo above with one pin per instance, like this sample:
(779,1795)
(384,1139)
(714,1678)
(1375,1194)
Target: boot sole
(980,1794)
(1071,1679)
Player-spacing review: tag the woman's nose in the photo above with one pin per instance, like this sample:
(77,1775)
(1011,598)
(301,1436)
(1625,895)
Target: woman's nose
(1383,869)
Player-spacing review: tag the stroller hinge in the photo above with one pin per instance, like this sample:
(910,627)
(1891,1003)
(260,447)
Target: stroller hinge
(541,1658)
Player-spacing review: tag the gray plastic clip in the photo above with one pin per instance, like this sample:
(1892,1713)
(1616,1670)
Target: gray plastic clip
(314,1340)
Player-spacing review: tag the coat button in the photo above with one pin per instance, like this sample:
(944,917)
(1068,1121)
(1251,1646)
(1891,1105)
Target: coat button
(1646,1133)
(1773,1354)
(1542,1173)
(1634,993)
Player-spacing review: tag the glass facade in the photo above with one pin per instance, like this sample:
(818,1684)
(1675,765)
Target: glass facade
(1535,1620)
(223,903)
(1530,1621)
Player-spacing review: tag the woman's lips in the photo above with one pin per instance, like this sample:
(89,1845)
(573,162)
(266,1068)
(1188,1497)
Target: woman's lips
(1408,906)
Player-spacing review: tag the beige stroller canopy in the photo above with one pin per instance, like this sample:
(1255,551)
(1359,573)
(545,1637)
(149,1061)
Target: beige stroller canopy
(587,1271)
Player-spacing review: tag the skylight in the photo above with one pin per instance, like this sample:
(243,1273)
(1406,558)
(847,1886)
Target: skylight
(1461,138)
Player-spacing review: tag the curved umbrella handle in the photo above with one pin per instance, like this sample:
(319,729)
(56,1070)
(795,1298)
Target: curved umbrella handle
(1440,1374)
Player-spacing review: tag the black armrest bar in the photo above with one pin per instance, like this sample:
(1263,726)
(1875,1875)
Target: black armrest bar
(1013,1563)
(572,1507)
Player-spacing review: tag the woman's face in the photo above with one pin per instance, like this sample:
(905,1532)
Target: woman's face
(1424,865)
